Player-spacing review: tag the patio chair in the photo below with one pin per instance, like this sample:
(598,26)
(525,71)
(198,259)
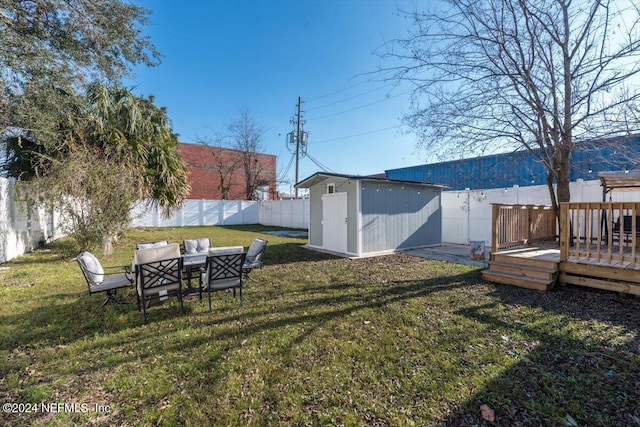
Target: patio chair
(627,227)
(100,281)
(223,270)
(158,275)
(254,258)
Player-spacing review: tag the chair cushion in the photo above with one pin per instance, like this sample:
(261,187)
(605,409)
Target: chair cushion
(248,265)
(112,282)
(254,253)
(190,246)
(224,284)
(203,245)
(196,246)
(93,266)
(157,253)
(152,244)
(226,250)
(151,292)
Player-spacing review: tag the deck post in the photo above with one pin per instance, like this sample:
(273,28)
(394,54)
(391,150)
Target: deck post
(495,219)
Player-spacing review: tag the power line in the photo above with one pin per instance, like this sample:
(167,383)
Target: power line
(360,107)
(349,98)
(319,164)
(353,136)
(286,170)
(349,87)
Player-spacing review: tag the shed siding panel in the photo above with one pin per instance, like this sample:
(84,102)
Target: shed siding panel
(394,217)
(315,215)
(350,187)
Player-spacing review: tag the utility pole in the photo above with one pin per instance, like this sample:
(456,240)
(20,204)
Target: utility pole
(298,139)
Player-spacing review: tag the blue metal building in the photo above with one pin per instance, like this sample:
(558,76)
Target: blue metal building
(522,168)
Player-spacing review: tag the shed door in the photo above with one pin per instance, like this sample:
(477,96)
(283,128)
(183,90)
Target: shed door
(334,222)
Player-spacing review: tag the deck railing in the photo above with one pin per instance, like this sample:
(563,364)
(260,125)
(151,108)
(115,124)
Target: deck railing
(519,225)
(604,233)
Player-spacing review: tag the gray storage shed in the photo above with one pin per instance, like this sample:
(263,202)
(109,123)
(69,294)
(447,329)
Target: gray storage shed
(363,216)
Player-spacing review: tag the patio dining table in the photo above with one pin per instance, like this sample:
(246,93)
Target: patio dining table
(192,266)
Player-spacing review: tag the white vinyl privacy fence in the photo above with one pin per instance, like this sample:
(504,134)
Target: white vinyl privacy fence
(281,213)
(22,229)
(466,214)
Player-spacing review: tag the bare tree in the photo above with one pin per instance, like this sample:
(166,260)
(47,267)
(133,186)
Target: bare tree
(246,134)
(543,75)
(225,162)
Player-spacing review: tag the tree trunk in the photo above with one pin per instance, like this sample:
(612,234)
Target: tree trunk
(552,194)
(107,244)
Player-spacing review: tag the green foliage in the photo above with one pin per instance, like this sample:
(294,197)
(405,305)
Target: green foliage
(72,140)
(66,44)
(111,149)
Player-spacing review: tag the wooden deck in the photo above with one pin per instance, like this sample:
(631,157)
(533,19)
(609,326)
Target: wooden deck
(594,244)
(540,268)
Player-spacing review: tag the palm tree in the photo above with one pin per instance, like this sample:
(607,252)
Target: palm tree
(118,148)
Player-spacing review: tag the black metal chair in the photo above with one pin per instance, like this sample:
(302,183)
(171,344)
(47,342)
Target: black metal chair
(100,281)
(223,270)
(254,257)
(158,275)
(626,227)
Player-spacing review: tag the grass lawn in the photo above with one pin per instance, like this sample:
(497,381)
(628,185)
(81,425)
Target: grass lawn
(384,341)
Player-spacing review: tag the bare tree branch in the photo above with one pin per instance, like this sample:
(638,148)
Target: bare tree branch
(542,76)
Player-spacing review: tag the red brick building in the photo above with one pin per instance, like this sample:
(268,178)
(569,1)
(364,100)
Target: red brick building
(218,173)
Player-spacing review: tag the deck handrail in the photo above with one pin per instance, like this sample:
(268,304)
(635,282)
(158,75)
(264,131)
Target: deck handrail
(600,232)
(516,225)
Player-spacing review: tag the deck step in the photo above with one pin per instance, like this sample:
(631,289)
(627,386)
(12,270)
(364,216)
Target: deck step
(507,258)
(517,280)
(517,269)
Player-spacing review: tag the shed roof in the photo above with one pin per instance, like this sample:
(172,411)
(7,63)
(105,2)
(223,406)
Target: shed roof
(320,176)
(620,180)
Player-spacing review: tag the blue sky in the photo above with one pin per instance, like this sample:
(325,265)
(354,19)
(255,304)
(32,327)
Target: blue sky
(220,56)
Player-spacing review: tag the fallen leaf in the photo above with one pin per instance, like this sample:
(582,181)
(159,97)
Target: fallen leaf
(487,413)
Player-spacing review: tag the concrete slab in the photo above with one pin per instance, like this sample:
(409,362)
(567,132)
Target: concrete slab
(451,252)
